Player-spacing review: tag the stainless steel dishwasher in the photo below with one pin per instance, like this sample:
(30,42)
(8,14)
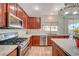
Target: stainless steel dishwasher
(43,40)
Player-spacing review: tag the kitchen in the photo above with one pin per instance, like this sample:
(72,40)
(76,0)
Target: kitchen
(39,29)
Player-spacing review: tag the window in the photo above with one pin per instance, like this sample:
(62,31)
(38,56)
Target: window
(54,28)
(50,28)
(46,28)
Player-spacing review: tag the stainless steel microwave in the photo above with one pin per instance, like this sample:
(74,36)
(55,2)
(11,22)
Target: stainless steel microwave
(14,22)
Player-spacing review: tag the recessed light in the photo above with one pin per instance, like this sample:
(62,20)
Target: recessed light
(36,8)
(56,8)
(75,12)
(66,12)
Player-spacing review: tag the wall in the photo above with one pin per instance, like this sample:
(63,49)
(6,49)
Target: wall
(21,32)
(62,25)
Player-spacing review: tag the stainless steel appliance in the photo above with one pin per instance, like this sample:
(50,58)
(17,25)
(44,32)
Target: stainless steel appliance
(14,22)
(43,40)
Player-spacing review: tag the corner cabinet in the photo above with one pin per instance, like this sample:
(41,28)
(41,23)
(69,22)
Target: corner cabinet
(33,23)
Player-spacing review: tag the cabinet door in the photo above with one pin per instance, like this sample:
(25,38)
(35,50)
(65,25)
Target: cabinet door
(19,12)
(2,15)
(25,21)
(12,8)
(35,40)
(33,23)
(37,23)
(25,17)
(49,42)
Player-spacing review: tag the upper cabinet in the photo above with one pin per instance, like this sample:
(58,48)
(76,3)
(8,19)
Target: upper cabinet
(2,15)
(12,8)
(11,14)
(16,10)
(25,18)
(19,12)
(33,23)
(22,15)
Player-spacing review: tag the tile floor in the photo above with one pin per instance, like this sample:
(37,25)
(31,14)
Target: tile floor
(40,51)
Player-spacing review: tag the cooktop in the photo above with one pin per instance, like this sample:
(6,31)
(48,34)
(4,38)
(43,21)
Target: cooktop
(13,41)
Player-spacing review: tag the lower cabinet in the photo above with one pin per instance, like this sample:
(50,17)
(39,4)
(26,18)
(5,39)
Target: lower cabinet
(13,53)
(57,51)
(35,40)
(49,41)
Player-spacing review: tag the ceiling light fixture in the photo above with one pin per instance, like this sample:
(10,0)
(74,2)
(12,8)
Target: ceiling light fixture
(75,12)
(36,8)
(56,8)
(66,12)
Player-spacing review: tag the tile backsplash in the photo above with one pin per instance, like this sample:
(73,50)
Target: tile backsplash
(21,32)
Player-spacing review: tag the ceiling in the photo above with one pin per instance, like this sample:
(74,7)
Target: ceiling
(40,9)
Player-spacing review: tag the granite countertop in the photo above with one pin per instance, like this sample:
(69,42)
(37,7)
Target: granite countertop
(6,49)
(67,45)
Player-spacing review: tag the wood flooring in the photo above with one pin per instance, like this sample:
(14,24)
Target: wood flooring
(40,51)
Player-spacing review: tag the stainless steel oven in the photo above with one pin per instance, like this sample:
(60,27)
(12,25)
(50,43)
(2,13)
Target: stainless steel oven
(24,48)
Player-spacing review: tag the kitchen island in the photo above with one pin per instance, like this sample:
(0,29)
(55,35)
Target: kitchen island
(8,50)
(67,46)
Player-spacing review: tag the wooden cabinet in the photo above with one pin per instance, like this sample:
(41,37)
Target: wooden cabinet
(12,8)
(35,40)
(13,53)
(22,15)
(19,12)
(33,23)
(15,9)
(25,18)
(2,15)
(49,43)
(57,51)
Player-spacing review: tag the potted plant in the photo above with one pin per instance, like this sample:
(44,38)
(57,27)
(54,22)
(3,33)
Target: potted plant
(76,36)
